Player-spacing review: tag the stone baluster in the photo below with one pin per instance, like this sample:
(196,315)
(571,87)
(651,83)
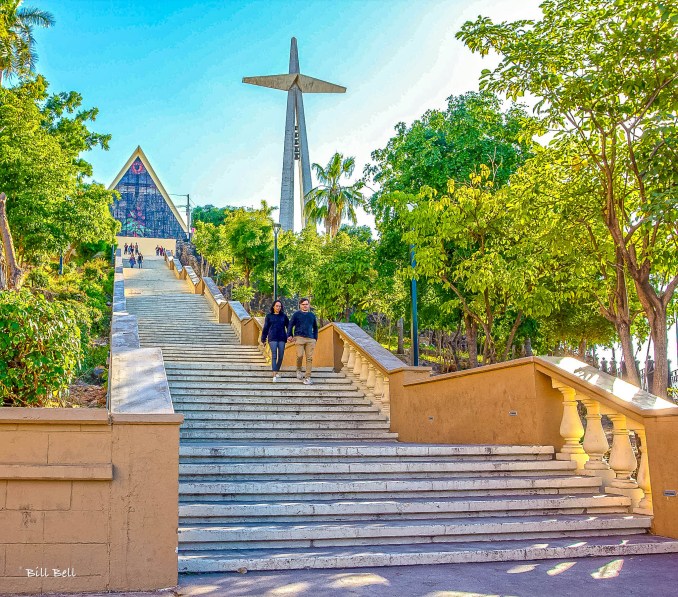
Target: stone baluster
(345,355)
(351,359)
(645,505)
(622,459)
(379,387)
(571,429)
(623,462)
(595,442)
(386,398)
(358,367)
(371,380)
(364,371)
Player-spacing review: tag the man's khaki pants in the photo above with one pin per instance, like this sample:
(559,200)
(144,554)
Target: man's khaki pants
(305,345)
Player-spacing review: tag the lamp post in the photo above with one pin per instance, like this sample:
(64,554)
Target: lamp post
(414,328)
(188,212)
(276,229)
(414,331)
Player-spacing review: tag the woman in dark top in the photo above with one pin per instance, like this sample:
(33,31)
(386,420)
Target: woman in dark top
(275,331)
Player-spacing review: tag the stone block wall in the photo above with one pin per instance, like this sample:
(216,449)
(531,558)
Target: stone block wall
(88,500)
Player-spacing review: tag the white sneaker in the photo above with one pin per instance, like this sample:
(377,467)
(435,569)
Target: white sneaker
(299,375)
(308,382)
(275,378)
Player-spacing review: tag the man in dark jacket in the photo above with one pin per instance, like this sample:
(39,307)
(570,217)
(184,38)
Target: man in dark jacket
(303,330)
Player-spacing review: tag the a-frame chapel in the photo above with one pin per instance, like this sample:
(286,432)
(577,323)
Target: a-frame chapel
(145,209)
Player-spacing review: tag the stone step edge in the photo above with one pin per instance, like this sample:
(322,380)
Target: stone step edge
(457,554)
(271,509)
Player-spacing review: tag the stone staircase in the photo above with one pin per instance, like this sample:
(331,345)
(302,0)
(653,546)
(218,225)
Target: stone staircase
(283,475)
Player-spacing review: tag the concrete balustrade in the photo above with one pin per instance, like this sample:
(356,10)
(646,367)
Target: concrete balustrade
(195,283)
(369,364)
(535,401)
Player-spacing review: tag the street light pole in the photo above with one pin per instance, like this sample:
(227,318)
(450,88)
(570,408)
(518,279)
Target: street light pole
(415,317)
(276,229)
(188,211)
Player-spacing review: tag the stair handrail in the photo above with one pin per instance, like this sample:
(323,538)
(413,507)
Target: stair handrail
(239,316)
(137,381)
(370,365)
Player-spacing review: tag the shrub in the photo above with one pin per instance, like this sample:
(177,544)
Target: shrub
(39,348)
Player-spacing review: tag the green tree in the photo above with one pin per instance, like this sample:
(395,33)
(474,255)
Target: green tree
(331,201)
(212,243)
(210,214)
(17,44)
(610,90)
(478,242)
(301,259)
(439,147)
(345,281)
(49,207)
(250,238)
(554,188)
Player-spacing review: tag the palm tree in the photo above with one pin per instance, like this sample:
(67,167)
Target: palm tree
(330,202)
(17,44)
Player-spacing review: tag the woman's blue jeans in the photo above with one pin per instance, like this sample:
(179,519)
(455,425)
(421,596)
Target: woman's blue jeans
(277,353)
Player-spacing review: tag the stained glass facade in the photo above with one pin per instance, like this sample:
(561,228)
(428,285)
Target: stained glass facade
(142,209)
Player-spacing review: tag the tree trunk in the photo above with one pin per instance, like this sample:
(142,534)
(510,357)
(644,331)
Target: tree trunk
(14,273)
(512,335)
(472,341)
(661,366)
(401,336)
(632,376)
(3,274)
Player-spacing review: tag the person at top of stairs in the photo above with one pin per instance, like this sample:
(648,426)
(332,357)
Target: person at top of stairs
(275,331)
(303,330)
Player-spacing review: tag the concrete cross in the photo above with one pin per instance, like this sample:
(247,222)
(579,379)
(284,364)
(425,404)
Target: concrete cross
(296,146)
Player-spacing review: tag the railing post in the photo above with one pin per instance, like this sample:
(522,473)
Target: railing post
(571,429)
(351,359)
(595,442)
(623,461)
(358,366)
(645,505)
(344,354)
(364,371)
(386,398)
(379,386)
(370,382)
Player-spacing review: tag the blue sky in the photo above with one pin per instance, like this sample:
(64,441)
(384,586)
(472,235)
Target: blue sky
(167,75)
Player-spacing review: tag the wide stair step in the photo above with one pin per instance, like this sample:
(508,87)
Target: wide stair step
(590,545)
(377,509)
(438,530)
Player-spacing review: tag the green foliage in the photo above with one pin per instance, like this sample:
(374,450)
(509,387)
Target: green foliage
(17,44)
(211,242)
(301,258)
(41,139)
(243,294)
(210,214)
(250,239)
(609,92)
(451,144)
(345,280)
(39,348)
(331,201)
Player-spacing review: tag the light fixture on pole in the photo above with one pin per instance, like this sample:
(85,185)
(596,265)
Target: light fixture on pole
(188,212)
(276,229)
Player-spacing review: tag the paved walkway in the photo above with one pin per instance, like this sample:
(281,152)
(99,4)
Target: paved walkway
(619,577)
(632,576)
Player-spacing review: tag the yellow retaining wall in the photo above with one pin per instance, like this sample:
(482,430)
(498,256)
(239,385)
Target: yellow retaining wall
(88,501)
